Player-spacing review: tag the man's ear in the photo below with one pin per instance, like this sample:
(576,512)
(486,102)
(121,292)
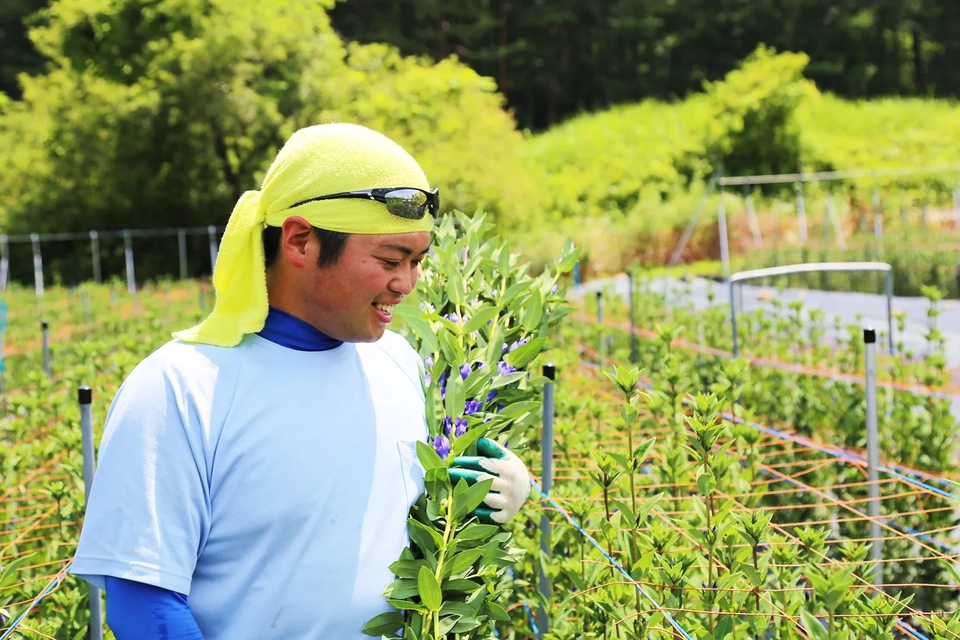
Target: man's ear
(298,243)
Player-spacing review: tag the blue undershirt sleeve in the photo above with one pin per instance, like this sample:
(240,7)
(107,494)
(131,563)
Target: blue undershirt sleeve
(137,611)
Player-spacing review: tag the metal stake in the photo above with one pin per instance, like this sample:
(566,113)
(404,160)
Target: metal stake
(85,397)
(802,216)
(45,330)
(128,257)
(546,481)
(4,262)
(724,240)
(600,327)
(182,245)
(212,232)
(37,265)
(633,335)
(873,454)
(95,254)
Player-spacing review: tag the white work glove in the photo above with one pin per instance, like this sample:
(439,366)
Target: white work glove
(511,480)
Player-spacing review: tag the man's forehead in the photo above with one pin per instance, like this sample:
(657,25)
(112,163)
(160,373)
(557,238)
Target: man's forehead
(406,243)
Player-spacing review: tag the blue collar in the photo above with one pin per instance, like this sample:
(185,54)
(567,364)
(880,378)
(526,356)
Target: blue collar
(289,331)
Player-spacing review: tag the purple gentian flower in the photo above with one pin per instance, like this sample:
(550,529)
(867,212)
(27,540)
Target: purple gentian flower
(516,345)
(428,362)
(464,371)
(504,349)
(426,378)
(492,395)
(504,369)
(442,445)
(443,392)
(472,406)
(442,380)
(461,427)
(447,426)
(452,317)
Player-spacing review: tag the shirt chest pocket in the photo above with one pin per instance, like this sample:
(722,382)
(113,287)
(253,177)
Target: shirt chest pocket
(411,470)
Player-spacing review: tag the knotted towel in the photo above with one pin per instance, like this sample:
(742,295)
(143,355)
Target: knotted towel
(315,161)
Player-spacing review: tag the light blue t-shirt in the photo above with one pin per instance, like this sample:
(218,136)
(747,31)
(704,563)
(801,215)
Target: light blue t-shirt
(269,485)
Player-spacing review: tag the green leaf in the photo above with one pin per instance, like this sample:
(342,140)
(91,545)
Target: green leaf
(814,628)
(480,318)
(401,589)
(429,590)
(532,312)
(462,561)
(406,605)
(452,350)
(407,568)
(496,611)
(462,443)
(477,532)
(385,623)
(454,404)
(471,498)
(429,457)
(522,356)
(568,257)
(421,329)
(425,538)
(461,585)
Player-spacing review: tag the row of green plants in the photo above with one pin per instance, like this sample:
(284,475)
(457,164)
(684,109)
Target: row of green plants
(41,457)
(678,495)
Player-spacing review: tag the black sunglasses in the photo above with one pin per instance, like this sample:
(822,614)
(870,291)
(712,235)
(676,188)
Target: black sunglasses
(404,202)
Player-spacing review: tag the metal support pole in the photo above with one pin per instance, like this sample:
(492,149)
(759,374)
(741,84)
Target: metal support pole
(85,303)
(802,216)
(633,335)
(752,219)
(600,327)
(956,209)
(873,454)
(128,257)
(182,245)
(85,397)
(95,256)
(45,330)
(888,289)
(733,320)
(212,232)
(37,265)
(835,220)
(685,238)
(724,240)
(877,216)
(546,481)
(4,262)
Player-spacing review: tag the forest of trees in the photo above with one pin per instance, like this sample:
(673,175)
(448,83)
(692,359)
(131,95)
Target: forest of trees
(554,58)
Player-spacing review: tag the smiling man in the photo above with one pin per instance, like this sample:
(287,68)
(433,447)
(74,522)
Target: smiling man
(256,473)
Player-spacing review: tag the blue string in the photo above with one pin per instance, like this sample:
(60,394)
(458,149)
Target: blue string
(616,565)
(533,624)
(50,587)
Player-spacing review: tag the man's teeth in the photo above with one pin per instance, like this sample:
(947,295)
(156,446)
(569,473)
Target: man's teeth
(386,308)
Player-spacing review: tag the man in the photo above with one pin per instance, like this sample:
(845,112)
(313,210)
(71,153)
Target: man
(255,474)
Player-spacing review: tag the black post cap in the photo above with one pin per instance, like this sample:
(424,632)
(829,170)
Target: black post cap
(599,294)
(869,336)
(44,324)
(550,371)
(85,395)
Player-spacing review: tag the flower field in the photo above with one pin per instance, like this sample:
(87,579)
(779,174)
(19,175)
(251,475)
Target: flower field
(693,495)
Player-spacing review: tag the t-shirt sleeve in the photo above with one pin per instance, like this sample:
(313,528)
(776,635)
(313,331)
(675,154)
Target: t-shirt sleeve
(148,514)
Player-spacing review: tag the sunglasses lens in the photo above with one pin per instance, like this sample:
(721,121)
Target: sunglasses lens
(406,203)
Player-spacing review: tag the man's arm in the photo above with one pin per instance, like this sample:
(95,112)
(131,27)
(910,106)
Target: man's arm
(137,611)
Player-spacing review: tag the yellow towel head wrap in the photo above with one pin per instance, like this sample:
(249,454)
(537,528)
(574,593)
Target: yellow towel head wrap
(315,161)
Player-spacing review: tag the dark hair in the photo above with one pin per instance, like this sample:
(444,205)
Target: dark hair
(332,244)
